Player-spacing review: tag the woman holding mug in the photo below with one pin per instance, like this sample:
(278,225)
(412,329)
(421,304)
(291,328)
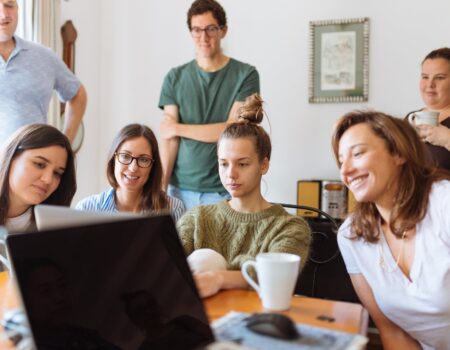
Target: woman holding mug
(37,167)
(435,92)
(246,225)
(135,173)
(396,242)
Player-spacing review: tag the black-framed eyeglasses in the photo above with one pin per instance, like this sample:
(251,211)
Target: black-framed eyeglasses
(127,159)
(211,31)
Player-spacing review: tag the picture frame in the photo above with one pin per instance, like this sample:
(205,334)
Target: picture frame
(339,60)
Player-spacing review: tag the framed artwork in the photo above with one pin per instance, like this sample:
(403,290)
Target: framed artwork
(339,60)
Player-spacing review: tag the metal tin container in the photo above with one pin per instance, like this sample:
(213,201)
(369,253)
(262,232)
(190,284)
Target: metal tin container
(334,199)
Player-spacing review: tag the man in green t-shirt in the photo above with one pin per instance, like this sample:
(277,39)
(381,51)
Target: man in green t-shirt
(199,98)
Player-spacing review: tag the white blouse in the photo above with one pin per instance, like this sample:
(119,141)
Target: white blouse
(420,306)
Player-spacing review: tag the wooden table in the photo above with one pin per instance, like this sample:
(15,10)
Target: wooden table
(8,300)
(346,317)
(342,316)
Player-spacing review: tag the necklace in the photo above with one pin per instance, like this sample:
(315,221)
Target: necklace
(383,263)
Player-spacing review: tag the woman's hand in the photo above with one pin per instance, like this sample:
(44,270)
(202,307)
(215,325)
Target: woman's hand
(208,283)
(211,282)
(436,135)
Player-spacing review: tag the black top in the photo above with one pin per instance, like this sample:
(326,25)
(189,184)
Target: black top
(441,155)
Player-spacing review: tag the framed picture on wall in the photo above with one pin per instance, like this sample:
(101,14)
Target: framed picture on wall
(339,60)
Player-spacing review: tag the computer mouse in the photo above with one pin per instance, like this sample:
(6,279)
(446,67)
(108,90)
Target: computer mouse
(273,325)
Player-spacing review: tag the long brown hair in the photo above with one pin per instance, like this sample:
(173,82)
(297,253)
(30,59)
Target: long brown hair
(249,116)
(35,136)
(153,197)
(416,177)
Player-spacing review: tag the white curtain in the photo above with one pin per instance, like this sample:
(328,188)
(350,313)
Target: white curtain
(25,25)
(40,21)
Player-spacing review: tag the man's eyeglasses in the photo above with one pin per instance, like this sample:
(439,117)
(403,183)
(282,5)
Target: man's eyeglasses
(211,31)
(127,159)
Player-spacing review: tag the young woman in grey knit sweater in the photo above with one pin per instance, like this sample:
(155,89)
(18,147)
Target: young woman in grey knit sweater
(247,224)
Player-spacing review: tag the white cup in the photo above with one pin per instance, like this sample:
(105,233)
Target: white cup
(424,118)
(277,275)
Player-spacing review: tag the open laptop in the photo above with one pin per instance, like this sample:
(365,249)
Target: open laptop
(112,285)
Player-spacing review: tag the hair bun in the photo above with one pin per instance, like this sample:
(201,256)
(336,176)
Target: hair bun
(251,111)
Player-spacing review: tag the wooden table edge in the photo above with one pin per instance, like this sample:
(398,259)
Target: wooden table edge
(213,313)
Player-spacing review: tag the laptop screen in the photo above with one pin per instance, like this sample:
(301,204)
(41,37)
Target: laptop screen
(54,216)
(119,285)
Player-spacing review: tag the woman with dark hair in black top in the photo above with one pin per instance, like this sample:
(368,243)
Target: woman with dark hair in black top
(435,92)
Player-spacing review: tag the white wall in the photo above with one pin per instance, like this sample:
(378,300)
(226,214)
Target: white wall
(125,49)
(86,16)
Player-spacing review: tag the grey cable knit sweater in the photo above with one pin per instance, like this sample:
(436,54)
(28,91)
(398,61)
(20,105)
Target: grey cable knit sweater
(240,236)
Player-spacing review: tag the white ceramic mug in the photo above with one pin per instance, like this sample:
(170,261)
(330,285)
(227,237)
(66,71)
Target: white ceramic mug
(424,118)
(277,275)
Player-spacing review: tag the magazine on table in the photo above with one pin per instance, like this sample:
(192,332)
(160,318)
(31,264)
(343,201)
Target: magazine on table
(233,328)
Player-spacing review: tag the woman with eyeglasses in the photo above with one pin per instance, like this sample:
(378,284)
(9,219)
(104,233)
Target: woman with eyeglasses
(135,173)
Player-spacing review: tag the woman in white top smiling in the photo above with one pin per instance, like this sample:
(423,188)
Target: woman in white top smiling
(396,243)
(37,167)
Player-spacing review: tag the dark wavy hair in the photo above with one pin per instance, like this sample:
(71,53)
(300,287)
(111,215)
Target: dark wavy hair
(153,197)
(443,52)
(36,136)
(416,177)
(200,7)
(250,115)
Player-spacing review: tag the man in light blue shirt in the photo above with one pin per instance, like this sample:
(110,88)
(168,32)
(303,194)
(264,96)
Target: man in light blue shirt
(28,75)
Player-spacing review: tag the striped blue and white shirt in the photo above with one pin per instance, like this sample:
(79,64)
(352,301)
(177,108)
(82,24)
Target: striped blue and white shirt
(105,202)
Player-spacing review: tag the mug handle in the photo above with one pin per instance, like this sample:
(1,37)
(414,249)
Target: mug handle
(247,277)
(411,118)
